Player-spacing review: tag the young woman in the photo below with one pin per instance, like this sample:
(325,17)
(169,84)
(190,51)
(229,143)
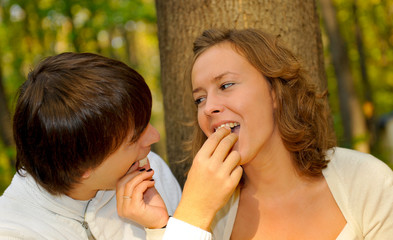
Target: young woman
(296,183)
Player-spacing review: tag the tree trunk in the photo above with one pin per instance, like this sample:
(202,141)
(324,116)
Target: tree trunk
(355,131)
(180,22)
(368,105)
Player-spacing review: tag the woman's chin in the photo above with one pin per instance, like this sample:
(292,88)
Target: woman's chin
(246,157)
(243,159)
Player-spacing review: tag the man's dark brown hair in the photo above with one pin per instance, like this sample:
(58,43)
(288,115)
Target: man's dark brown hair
(72,112)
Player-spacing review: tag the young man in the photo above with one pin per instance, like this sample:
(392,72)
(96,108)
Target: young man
(81,123)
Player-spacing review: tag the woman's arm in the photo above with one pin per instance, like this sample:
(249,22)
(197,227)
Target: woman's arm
(211,181)
(213,177)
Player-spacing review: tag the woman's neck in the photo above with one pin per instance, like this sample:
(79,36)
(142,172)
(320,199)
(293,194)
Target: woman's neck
(271,172)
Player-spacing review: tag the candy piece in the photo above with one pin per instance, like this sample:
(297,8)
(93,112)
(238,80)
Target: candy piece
(143,162)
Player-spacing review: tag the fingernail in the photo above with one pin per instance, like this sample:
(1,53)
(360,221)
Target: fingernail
(142,169)
(149,170)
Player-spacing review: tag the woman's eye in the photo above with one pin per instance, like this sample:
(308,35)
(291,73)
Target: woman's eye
(199,100)
(226,85)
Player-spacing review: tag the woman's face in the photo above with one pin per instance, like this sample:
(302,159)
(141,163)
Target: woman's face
(229,90)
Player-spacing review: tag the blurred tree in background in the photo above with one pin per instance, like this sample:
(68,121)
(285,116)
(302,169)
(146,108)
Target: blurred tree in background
(365,32)
(126,30)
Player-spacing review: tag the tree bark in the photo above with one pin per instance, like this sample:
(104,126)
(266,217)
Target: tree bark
(353,119)
(180,22)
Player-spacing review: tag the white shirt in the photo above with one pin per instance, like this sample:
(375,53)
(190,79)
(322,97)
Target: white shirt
(27,211)
(362,187)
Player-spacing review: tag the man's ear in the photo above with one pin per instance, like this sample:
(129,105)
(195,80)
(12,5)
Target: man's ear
(87,173)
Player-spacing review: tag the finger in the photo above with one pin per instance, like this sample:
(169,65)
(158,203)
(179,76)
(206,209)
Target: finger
(236,175)
(141,188)
(134,203)
(126,178)
(224,147)
(143,175)
(231,161)
(133,167)
(126,185)
(211,143)
(121,186)
(154,215)
(127,188)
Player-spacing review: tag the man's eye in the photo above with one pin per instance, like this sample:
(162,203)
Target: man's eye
(199,100)
(226,85)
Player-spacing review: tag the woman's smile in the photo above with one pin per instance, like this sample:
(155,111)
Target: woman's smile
(234,94)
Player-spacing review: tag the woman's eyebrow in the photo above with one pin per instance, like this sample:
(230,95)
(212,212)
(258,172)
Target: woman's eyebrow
(218,77)
(215,79)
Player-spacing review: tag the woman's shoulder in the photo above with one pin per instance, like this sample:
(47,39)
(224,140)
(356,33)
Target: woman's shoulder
(351,164)
(358,179)
(362,186)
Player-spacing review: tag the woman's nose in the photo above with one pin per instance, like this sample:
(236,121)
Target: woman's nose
(213,106)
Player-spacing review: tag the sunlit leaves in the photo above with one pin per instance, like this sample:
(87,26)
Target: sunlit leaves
(376,22)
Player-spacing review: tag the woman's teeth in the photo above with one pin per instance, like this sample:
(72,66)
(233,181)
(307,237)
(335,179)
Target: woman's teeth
(231,125)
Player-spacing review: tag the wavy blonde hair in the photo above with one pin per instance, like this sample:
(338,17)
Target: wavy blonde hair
(302,113)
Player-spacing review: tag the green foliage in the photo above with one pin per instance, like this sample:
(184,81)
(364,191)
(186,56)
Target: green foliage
(375,19)
(6,171)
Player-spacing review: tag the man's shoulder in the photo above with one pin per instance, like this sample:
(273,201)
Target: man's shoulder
(165,182)
(154,157)
(16,220)
(158,163)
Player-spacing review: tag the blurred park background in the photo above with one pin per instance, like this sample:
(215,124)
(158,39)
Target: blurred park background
(127,30)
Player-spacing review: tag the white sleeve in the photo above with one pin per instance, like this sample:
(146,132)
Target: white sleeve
(179,230)
(169,189)
(165,183)
(154,234)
